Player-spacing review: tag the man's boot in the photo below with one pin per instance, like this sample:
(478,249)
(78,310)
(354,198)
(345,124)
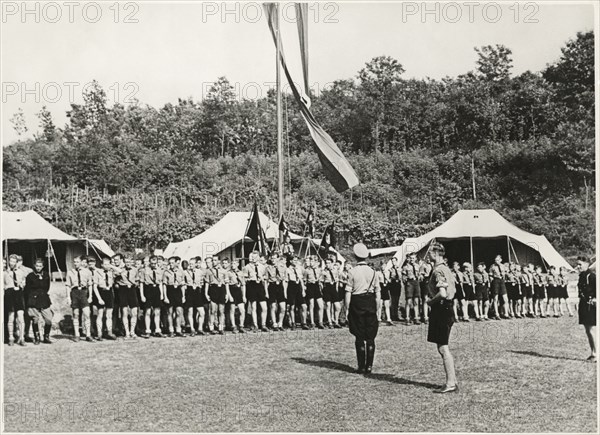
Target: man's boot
(370,357)
(360,356)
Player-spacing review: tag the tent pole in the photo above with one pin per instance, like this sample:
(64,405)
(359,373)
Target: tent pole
(87,248)
(49,260)
(244,240)
(514,253)
(508,247)
(472,256)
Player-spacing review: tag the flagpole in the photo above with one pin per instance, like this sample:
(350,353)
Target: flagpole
(279,122)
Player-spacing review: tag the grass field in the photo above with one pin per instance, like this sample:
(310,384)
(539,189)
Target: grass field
(515,376)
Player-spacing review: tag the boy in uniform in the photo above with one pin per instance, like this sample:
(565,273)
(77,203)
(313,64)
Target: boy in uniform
(79,286)
(469,291)
(37,284)
(563,294)
(411,285)
(152,294)
(103,299)
(174,297)
(313,291)
(237,291)
(275,275)
(216,285)
(481,281)
(295,293)
(126,282)
(256,290)
(329,280)
(395,289)
(424,273)
(384,303)
(539,292)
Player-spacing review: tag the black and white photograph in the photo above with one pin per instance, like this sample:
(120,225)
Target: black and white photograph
(279,217)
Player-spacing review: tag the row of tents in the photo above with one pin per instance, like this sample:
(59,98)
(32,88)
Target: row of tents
(469,235)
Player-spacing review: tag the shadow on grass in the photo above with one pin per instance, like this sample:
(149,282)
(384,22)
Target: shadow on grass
(387,377)
(541,355)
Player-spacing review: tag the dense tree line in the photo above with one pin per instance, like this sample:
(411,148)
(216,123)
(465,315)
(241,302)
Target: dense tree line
(140,176)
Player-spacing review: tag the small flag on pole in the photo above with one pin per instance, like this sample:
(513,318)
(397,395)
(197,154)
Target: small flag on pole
(255,231)
(284,229)
(309,226)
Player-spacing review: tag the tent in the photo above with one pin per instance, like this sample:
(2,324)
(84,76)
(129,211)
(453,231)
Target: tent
(479,235)
(225,239)
(31,236)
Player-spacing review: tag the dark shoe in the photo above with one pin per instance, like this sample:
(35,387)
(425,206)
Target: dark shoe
(28,339)
(21,342)
(370,357)
(47,339)
(112,336)
(264,329)
(389,323)
(171,335)
(89,339)
(179,334)
(466,319)
(98,338)
(447,389)
(359,370)
(416,322)
(426,321)
(145,335)
(320,326)
(76,339)
(305,327)
(158,335)
(241,330)
(368,370)
(11,343)
(221,332)
(337,326)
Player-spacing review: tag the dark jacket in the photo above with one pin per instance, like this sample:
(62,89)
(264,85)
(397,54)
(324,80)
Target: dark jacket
(37,287)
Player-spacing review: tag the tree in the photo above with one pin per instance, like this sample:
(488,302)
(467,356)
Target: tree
(494,62)
(18,123)
(47,125)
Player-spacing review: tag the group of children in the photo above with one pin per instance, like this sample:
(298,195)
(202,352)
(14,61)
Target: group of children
(160,297)
(500,291)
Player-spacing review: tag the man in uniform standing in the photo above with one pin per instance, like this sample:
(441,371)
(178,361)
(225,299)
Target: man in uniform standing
(441,292)
(363,295)
(411,285)
(314,295)
(151,295)
(587,302)
(103,299)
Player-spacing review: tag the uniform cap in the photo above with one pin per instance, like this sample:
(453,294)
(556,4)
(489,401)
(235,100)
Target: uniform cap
(360,250)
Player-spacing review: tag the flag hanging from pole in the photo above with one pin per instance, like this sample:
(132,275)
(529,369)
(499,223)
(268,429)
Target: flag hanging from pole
(337,169)
(255,231)
(302,22)
(284,229)
(329,239)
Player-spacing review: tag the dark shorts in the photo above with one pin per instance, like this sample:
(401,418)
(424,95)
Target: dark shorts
(14,300)
(313,291)
(255,292)
(79,298)
(527,291)
(441,319)
(330,293)
(424,288)
(107,297)
(552,292)
(217,294)
(563,292)
(412,289)
(469,292)
(513,291)
(128,296)
(498,288)
(236,294)
(385,292)
(539,292)
(481,292)
(587,312)
(276,293)
(174,296)
(460,293)
(294,294)
(362,316)
(152,295)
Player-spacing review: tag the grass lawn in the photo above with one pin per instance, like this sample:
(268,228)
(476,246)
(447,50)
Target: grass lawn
(515,376)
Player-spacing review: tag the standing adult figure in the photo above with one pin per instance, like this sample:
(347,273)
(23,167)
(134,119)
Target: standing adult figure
(442,289)
(587,302)
(363,295)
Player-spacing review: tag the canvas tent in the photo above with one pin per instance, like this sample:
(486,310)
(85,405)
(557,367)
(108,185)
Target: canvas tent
(479,235)
(31,236)
(225,239)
